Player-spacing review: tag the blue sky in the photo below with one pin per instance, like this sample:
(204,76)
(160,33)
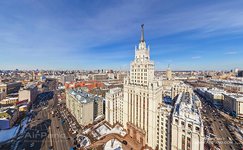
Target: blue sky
(92,34)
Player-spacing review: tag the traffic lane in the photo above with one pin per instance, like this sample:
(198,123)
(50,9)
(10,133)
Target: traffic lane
(34,137)
(217,121)
(60,137)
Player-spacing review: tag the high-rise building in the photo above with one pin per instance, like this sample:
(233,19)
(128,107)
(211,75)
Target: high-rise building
(142,95)
(168,73)
(83,106)
(187,131)
(164,127)
(114,106)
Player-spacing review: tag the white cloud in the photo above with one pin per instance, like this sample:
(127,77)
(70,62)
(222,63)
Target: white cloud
(196,57)
(230,53)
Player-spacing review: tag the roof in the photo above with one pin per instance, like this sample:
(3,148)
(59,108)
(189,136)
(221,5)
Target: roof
(186,108)
(10,111)
(82,96)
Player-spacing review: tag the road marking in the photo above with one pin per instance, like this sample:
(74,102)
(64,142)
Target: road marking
(50,132)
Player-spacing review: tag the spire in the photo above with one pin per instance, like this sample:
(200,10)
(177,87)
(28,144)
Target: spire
(142,33)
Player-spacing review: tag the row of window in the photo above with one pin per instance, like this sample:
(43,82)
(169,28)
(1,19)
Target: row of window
(188,125)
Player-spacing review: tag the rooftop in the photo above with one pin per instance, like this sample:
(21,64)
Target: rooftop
(82,96)
(186,108)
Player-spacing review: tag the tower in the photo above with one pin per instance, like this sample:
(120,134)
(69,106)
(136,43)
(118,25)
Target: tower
(168,73)
(142,95)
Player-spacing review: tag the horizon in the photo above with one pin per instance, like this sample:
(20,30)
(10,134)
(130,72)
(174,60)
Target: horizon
(54,35)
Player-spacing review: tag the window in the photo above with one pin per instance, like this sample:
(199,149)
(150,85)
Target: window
(197,128)
(190,126)
(183,123)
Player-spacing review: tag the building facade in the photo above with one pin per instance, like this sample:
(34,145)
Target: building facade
(178,88)
(233,103)
(114,106)
(215,97)
(142,95)
(164,127)
(8,117)
(28,93)
(66,78)
(83,106)
(187,127)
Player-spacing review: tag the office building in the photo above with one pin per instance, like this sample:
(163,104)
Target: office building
(164,127)
(67,78)
(233,103)
(29,93)
(83,106)
(114,106)
(142,95)
(187,127)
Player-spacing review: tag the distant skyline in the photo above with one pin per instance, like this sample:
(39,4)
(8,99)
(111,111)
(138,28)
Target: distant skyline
(102,34)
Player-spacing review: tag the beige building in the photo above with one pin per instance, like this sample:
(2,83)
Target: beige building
(2,95)
(8,117)
(233,103)
(178,88)
(99,77)
(83,106)
(164,127)
(142,95)
(114,106)
(9,101)
(187,126)
(168,73)
(28,93)
(3,89)
(215,96)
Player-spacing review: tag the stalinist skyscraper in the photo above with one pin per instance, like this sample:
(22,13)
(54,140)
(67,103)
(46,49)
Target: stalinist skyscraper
(142,95)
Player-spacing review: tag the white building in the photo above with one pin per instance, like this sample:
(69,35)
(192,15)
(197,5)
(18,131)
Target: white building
(142,95)
(233,103)
(67,78)
(187,126)
(83,106)
(164,127)
(114,106)
(178,88)
(29,93)
(168,73)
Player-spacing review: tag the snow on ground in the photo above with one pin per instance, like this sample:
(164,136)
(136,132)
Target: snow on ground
(113,145)
(102,130)
(24,124)
(6,135)
(118,129)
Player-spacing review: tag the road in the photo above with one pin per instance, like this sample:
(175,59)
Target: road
(45,131)
(213,120)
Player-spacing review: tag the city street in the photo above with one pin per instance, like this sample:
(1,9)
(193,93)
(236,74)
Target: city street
(216,126)
(45,132)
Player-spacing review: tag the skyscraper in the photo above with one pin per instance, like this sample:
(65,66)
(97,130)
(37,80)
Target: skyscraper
(142,95)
